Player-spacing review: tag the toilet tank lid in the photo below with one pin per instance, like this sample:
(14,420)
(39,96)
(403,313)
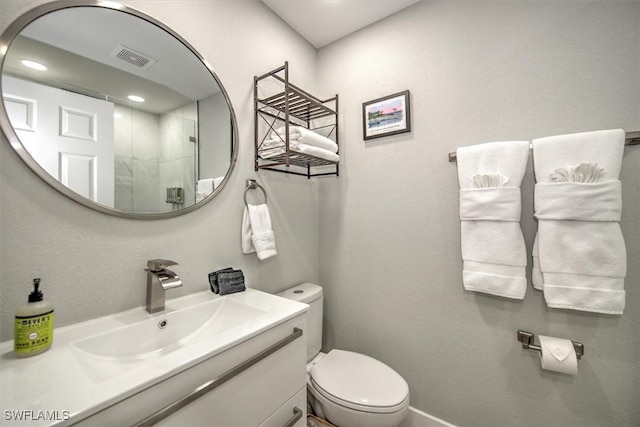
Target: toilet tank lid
(306,293)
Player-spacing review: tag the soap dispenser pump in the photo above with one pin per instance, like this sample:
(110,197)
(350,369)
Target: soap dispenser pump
(33,333)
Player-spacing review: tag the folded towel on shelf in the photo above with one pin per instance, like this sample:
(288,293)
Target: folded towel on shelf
(579,256)
(227,281)
(314,151)
(204,187)
(274,148)
(309,137)
(257,234)
(493,250)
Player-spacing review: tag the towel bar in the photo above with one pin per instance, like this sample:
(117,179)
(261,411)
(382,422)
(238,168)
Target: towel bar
(632,138)
(526,338)
(251,185)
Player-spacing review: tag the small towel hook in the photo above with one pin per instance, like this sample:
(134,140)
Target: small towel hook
(252,184)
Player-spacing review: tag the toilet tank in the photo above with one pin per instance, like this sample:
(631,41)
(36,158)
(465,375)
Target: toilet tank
(311,294)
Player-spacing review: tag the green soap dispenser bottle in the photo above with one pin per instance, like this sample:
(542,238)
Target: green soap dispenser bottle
(33,333)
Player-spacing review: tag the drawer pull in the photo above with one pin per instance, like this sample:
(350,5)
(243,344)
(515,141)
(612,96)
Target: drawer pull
(297,414)
(214,383)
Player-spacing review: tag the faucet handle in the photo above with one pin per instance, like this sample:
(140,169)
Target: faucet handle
(159,264)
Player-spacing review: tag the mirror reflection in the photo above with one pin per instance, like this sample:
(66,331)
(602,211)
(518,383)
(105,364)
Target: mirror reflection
(118,110)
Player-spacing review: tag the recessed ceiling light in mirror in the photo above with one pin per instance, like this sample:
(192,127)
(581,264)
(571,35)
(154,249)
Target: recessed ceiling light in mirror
(34,65)
(135,98)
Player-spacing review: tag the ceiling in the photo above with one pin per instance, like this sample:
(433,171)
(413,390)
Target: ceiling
(78,45)
(324,21)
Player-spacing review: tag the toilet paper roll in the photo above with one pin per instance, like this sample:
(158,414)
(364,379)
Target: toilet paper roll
(558,354)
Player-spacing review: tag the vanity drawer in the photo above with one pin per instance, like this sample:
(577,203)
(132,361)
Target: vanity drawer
(291,414)
(247,398)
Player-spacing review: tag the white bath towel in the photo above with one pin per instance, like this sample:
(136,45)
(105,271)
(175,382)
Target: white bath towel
(579,256)
(217,181)
(493,250)
(309,137)
(257,234)
(204,187)
(273,148)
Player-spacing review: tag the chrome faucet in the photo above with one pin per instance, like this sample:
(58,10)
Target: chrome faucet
(159,279)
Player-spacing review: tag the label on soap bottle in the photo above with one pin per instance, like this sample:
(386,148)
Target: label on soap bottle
(33,333)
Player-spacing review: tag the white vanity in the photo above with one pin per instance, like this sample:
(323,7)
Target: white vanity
(236,360)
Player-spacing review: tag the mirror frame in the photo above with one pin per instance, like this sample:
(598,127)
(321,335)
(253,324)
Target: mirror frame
(6,40)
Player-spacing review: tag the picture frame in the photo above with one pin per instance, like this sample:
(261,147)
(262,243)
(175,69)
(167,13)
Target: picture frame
(389,115)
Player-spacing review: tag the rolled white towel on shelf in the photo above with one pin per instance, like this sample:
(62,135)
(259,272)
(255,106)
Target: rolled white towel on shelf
(314,151)
(579,254)
(271,150)
(493,250)
(309,137)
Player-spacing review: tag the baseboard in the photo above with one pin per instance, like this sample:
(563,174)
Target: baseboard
(417,418)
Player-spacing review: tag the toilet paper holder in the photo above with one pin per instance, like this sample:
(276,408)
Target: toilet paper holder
(526,338)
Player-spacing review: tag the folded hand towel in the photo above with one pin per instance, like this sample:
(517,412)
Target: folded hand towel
(227,281)
(257,235)
(213,279)
(493,249)
(204,187)
(231,282)
(579,257)
(308,137)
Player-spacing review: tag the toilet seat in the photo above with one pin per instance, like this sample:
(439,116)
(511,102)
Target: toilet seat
(359,382)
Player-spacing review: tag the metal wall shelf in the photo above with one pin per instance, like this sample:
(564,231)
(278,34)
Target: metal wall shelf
(292,106)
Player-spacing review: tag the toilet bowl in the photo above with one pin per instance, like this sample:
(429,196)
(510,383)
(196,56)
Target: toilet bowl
(346,388)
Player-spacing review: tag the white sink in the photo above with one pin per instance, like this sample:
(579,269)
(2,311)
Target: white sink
(168,331)
(95,364)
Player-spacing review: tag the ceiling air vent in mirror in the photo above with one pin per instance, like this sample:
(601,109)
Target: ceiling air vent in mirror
(132,57)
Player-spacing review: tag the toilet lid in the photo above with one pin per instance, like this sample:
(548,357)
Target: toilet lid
(359,382)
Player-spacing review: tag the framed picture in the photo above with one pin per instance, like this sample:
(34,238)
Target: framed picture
(389,115)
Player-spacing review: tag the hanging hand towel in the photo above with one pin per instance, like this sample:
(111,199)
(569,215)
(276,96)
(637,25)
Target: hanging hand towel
(257,235)
(493,250)
(579,253)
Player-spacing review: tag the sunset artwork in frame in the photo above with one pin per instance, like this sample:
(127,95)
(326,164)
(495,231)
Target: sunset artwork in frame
(389,115)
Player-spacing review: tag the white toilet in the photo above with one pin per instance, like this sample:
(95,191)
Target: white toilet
(346,388)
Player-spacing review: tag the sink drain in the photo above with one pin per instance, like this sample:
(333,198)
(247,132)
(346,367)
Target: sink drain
(162,324)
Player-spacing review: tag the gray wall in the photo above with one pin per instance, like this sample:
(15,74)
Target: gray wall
(214,138)
(92,264)
(390,252)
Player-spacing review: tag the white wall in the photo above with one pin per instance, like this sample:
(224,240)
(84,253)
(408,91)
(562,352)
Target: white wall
(92,264)
(478,71)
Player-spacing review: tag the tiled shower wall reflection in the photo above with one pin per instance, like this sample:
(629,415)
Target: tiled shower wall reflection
(154,152)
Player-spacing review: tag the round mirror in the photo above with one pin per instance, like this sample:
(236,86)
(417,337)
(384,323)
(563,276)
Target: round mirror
(115,110)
